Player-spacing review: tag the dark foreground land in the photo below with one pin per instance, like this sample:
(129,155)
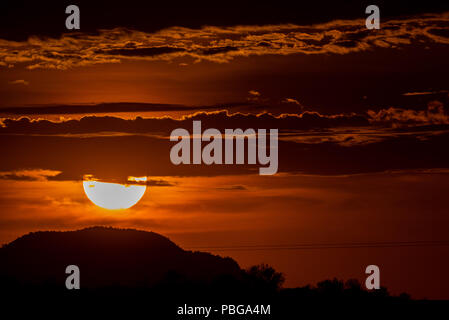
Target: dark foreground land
(135,274)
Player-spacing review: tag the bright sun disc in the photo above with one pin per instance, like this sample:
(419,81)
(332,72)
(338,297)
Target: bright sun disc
(113,196)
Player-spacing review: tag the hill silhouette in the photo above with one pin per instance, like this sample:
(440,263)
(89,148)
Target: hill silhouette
(107,257)
(139,272)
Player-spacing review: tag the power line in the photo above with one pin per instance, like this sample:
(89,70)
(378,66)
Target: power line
(311,246)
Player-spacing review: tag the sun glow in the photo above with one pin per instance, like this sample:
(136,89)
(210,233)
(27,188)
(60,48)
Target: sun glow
(114,196)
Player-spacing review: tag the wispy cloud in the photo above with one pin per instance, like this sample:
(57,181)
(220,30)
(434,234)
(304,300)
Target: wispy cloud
(29,175)
(291,100)
(24,82)
(254,93)
(424,93)
(396,117)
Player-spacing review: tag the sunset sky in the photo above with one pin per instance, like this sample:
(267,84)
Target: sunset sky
(362,116)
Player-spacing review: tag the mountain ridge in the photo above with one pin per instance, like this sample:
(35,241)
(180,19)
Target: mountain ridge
(107,256)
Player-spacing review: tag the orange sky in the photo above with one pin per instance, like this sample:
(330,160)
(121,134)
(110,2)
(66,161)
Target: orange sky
(283,209)
(363,118)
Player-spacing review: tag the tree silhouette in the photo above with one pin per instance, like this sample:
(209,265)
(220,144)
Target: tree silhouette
(264,277)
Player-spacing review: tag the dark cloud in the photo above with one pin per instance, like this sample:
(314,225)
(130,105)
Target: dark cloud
(219,119)
(20,19)
(442,32)
(233,188)
(102,108)
(310,143)
(217,50)
(141,52)
(16,177)
(159,183)
(222,44)
(288,105)
(117,158)
(433,115)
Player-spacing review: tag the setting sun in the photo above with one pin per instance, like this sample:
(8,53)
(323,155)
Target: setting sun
(295,155)
(113,196)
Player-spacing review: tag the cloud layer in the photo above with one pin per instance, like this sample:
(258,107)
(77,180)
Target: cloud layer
(113,149)
(222,44)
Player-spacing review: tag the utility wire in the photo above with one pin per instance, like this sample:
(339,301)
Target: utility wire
(344,245)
